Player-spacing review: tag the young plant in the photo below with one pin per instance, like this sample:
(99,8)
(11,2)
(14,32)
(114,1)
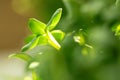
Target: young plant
(42,34)
(89,51)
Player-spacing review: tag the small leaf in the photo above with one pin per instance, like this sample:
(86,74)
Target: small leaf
(79,39)
(116,29)
(31,44)
(22,56)
(54,19)
(117,32)
(29,38)
(43,39)
(58,35)
(52,41)
(36,26)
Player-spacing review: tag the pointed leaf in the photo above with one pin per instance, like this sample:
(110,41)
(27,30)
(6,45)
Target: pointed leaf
(22,56)
(52,41)
(29,38)
(36,26)
(58,35)
(54,19)
(31,44)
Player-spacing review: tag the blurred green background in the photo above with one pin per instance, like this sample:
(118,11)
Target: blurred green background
(90,20)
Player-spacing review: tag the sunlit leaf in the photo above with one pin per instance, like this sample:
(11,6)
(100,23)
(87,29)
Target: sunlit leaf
(79,39)
(31,44)
(116,29)
(22,56)
(29,38)
(54,19)
(36,26)
(52,41)
(43,39)
(58,35)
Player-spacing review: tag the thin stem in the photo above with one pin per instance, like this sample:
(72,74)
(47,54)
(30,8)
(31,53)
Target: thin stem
(34,76)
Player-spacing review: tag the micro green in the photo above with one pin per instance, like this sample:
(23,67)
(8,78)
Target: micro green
(43,33)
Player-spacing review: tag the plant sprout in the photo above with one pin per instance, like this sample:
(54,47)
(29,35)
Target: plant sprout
(43,33)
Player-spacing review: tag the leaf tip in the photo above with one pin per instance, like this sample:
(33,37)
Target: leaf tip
(23,49)
(60,9)
(11,56)
(31,19)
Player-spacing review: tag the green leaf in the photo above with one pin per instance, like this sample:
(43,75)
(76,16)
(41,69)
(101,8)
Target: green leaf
(35,76)
(58,35)
(116,29)
(22,56)
(117,32)
(52,41)
(31,44)
(29,38)
(36,26)
(43,39)
(54,19)
(79,39)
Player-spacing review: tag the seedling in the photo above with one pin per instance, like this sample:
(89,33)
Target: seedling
(42,34)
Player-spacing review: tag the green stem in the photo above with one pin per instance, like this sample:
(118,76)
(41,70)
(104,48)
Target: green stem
(34,75)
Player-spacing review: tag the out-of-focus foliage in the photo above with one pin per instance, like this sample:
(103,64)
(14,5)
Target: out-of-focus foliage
(90,49)
(116,29)
(41,9)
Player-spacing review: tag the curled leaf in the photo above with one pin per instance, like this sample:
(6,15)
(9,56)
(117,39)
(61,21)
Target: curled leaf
(52,41)
(54,19)
(36,26)
(58,35)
